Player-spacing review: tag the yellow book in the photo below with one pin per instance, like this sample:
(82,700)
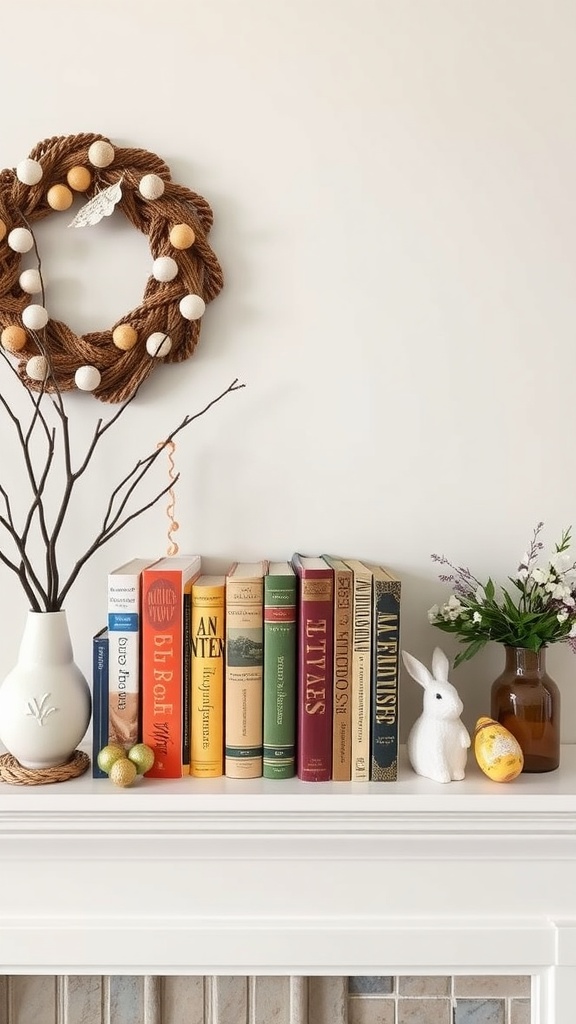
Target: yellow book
(207,710)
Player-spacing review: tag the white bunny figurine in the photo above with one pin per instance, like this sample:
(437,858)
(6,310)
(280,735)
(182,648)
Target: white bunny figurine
(438,741)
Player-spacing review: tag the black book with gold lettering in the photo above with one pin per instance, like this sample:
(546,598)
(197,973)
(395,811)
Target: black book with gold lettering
(385,662)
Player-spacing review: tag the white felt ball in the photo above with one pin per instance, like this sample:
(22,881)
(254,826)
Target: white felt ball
(87,378)
(37,368)
(158,344)
(164,268)
(192,307)
(29,172)
(151,186)
(30,281)
(20,240)
(35,317)
(101,154)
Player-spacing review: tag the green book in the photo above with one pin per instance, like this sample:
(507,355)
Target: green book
(280,635)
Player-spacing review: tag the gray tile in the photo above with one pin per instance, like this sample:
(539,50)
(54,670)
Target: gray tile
(228,1000)
(361,985)
(479,1011)
(125,999)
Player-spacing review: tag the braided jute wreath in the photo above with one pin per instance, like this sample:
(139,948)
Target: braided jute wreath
(185,276)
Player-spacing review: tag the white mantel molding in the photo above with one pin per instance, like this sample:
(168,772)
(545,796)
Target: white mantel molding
(226,877)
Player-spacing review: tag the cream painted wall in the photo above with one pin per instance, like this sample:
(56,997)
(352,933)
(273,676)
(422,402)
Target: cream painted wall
(393,188)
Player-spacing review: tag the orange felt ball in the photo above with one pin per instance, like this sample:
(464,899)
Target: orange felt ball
(124,337)
(14,338)
(60,197)
(182,236)
(3,230)
(79,178)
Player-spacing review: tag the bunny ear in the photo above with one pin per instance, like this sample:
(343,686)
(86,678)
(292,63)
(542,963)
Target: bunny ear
(440,665)
(417,670)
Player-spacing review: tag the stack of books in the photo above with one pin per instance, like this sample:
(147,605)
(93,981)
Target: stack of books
(274,669)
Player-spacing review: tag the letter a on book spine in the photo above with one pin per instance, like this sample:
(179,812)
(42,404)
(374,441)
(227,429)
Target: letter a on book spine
(315,658)
(385,650)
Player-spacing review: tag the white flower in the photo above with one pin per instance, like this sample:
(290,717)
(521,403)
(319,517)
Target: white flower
(561,561)
(476,617)
(562,615)
(539,576)
(433,613)
(572,630)
(558,591)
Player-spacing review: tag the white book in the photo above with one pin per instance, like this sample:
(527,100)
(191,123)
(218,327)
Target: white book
(124,646)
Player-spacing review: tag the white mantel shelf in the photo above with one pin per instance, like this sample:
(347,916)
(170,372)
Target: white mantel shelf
(259,877)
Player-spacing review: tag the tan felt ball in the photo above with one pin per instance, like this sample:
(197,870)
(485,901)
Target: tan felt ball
(79,178)
(14,337)
(182,236)
(125,337)
(3,230)
(60,197)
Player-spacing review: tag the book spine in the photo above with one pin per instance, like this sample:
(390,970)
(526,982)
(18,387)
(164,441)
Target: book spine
(361,673)
(186,677)
(124,658)
(208,639)
(315,658)
(99,700)
(162,670)
(342,676)
(385,661)
(279,676)
(244,669)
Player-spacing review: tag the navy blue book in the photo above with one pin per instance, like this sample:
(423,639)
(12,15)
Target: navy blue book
(99,698)
(384,676)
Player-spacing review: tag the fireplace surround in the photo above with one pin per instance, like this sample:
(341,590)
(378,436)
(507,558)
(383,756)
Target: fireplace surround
(225,877)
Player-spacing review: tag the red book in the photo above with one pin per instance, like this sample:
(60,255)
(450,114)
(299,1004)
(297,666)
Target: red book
(315,663)
(164,586)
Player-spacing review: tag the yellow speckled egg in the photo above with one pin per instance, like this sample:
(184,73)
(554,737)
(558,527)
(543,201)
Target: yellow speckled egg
(497,751)
(79,178)
(182,236)
(14,338)
(60,197)
(124,337)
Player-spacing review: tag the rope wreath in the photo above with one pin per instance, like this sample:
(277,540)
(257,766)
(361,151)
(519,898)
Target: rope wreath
(185,272)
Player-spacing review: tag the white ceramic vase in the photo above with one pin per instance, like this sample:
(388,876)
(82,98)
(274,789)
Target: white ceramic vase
(45,700)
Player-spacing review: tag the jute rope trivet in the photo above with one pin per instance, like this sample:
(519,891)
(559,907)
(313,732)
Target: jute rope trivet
(12,771)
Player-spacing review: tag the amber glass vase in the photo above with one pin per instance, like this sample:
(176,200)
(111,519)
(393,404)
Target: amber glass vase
(527,702)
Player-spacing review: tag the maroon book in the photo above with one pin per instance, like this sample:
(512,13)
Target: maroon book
(315,654)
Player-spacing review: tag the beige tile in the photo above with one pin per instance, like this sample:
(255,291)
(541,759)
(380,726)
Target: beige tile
(32,999)
(424,1011)
(298,999)
(369,1010)
(486,985)
(424,985)
(81,997)
(520,1011)
(228,1000)
(327,1000)
(3,997)
(182,1000)
(270,1000)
